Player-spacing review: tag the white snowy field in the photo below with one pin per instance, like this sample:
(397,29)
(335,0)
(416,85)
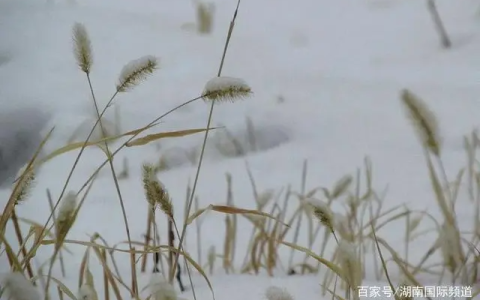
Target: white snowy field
(326,77)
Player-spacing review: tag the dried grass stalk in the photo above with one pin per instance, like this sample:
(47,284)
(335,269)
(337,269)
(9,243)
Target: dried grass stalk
(423,120)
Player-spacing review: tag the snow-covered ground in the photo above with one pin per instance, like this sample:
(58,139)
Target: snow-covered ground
(337,66)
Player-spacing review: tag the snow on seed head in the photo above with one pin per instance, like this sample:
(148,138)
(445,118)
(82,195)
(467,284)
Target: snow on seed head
(66,216)
(322,211)
(220,89)
(350,264)
(136,71)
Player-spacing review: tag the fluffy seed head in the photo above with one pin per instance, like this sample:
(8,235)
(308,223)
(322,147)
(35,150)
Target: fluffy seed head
(155,192)
(276,293)
(25,186)
(220,89)
(147,172)
(322,211)
(20,288)
(66,216)
(423,120)
(135,72)
(82,47)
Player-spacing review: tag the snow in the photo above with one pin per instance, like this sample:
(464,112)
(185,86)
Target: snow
(326,77)
(18,287)
(276,293)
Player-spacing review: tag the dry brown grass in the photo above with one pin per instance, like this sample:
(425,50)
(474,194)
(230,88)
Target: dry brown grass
(275,221)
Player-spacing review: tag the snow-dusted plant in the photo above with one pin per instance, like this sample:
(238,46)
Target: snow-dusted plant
(86,292)
(350,265)
(450,247)
(155,191)
(22,188)
(135,72)
(66,216)
(223,88)
(322,212)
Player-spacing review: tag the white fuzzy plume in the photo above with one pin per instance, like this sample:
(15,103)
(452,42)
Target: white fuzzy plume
(322,211)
